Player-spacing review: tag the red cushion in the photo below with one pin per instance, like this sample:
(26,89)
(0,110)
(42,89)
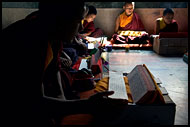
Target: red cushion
(173,35)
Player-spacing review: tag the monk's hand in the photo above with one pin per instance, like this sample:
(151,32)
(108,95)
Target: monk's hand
(116,103)
(83,35)
(101,99)
(100,96)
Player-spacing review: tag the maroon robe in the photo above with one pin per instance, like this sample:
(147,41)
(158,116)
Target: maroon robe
(135,25)
(172,27)
(90,27)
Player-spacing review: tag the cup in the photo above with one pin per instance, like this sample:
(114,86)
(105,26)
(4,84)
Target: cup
(127,48)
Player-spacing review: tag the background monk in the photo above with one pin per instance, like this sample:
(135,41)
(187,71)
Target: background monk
(88,24)
(166,23)
(128,20)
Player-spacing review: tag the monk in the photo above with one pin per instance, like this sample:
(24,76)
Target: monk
(128,20)
(166,23)
(88,24)
(34,44)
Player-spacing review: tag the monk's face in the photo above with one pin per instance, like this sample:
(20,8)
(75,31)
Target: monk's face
(168,18)
(90,18)
(128,9)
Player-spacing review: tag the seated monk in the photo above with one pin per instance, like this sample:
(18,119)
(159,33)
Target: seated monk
(166,23)
(88,24)
(128,20)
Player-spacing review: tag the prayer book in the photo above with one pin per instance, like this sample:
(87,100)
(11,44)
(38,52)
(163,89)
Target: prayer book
(141,84)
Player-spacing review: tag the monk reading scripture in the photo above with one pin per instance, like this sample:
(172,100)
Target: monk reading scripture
(166,23)
(88,24)
(128,20)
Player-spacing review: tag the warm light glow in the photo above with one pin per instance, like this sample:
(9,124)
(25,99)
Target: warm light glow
(92,39)
(132,45)
(105,43)
(132,33)
(120,45)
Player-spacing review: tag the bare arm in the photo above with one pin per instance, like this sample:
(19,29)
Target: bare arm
(117,25)
(87,34)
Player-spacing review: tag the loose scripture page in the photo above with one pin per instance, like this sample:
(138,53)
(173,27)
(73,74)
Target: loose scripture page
(117,84)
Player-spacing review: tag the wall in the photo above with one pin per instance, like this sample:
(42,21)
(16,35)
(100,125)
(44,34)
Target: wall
(105,19)
(11,15)
(139,4)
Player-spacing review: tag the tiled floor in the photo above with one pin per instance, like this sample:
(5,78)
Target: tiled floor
(172,71)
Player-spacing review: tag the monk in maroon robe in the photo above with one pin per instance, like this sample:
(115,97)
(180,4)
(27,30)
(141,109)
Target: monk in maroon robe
(88,24)
(128,20)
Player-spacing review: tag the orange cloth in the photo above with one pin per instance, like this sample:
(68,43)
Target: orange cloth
(124,19)
(102,85)
(157,97)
